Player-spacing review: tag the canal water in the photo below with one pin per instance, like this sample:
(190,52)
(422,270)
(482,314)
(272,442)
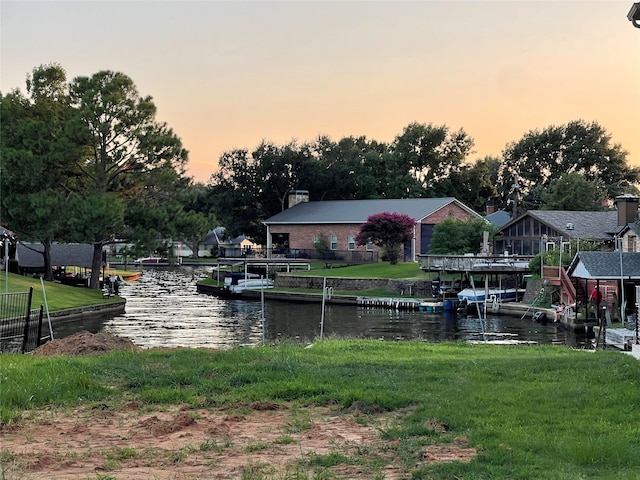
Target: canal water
(164,309)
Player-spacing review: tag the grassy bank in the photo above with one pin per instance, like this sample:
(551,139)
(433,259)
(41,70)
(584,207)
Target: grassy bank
(542,412)
(403,270)
(58,296)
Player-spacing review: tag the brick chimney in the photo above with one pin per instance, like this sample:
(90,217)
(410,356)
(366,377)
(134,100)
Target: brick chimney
(627,206)
(490,208)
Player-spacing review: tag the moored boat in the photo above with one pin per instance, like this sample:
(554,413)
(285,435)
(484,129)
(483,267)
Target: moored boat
(130,277)
(249,284)
(151,261)
(479,295)
(431,307)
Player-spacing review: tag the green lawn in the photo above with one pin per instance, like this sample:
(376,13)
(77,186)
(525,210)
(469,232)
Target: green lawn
(405,270)
(59,297)
(534,412)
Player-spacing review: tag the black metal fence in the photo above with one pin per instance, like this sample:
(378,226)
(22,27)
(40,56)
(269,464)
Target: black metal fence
(20,327)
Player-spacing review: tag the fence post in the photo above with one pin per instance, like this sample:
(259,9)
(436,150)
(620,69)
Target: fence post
(40,326)
(25,336)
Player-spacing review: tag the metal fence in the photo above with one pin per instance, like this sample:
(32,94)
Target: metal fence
(20,327)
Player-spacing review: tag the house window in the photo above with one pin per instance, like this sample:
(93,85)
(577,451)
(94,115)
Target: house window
(369,245)
(334,242)
(352,242)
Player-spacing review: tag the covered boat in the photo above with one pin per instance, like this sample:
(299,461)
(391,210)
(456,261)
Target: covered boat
(479,295)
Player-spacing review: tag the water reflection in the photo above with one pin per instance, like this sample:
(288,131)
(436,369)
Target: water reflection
(164,309)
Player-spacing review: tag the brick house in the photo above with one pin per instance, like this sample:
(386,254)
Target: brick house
(339,221)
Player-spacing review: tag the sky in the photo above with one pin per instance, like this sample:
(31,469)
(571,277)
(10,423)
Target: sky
(227,75)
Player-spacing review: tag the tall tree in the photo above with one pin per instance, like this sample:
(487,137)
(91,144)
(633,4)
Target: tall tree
(541,157)
(129,153)
(474,184)
(573,192)
(350,169)
(251,187)
(37,155)
(423,155)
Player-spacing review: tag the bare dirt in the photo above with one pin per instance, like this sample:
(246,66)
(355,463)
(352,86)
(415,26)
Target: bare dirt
(263,440)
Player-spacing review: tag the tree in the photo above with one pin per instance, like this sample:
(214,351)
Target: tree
(424,155)
(351,169)
(454,236)
(542,157)
(473,185)
(389,231)
(128,153)
(573,192)
(553,256)
(251,187)
(37,159)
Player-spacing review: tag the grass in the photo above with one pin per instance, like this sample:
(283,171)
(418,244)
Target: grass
(544,412)
(59,297)
(405,270)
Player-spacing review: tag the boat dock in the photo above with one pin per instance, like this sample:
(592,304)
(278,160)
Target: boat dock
(504,264)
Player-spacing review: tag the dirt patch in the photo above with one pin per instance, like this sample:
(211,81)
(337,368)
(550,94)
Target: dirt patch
(129,442)
(261,440)
(85,343)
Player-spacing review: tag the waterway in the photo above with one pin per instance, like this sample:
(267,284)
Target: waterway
(164,309)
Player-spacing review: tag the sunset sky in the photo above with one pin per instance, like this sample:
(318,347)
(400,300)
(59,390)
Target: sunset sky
(228,75)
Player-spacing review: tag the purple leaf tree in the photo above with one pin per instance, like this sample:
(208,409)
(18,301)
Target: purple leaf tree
(389,231)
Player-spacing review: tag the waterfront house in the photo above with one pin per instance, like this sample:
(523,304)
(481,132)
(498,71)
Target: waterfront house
(215,243)
(538,230)
(298,229)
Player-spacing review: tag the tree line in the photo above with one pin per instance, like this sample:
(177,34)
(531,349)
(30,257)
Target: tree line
(568,167)
(86,160)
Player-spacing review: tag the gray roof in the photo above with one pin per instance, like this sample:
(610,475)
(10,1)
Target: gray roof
(62,254)
(605,265)
(213,237)
(218,237)
(499,218)
(358,211)
(594,225)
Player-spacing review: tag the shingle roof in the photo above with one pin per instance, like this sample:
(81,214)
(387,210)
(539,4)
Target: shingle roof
(605,265)
(595,225)
(213,236)
(358,211)
(62,254)
(499,218)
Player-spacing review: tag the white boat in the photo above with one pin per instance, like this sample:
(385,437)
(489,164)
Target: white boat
(249,284)
(479,295)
